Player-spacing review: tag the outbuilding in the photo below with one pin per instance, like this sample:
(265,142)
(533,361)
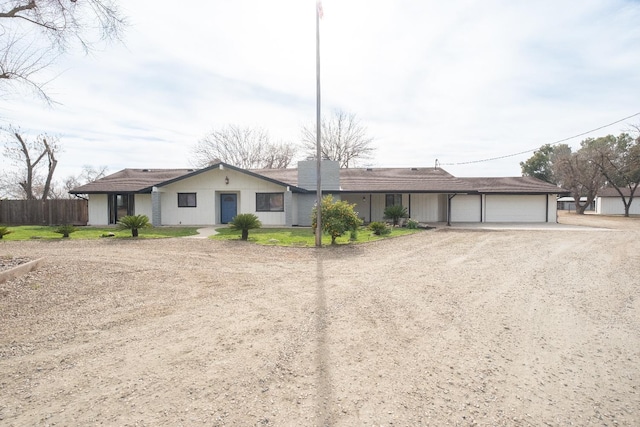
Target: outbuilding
(609,202)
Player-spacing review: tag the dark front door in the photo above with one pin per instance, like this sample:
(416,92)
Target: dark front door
(228,207)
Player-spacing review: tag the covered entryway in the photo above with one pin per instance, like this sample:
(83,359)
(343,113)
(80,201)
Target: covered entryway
(228,207)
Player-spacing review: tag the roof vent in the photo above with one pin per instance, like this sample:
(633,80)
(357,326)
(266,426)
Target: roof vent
(369,170)
(145,170)
(414,169)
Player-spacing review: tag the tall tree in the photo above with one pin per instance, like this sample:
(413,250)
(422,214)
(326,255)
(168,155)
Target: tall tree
(35,32)
(618,159)
(539,165)
(343,139)
(244,147)
(34,164)
(577,172)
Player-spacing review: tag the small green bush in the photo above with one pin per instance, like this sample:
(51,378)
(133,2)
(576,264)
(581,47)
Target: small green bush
(412,224)
(65,230)
(395,212)
(4,231)
(336,217)
(379,228)
(244,223)
(134,223)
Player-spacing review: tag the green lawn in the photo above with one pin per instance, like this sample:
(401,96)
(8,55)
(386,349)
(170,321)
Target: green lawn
(28,232)
(296,236)
(303,236)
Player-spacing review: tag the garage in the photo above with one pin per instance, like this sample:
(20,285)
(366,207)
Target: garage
(466,208)
(516,208)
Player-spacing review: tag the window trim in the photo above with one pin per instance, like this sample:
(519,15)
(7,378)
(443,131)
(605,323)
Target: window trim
(186,200)
(280,209)
(395,196)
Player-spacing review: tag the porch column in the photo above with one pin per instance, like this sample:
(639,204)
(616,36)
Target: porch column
(288,208)
(156,217)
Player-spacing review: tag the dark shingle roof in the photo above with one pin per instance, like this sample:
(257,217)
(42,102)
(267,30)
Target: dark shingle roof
(358,180)
(611,192)
(516,184)
(426,180)
(130,180)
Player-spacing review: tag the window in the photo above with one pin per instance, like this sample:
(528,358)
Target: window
(269,202)
(187,200)
(392,199)
(120,205)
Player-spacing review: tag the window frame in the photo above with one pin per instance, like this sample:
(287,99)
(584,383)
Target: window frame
(184,197)
(272,208)
(395,196)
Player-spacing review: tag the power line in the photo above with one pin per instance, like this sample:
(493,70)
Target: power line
(532,150)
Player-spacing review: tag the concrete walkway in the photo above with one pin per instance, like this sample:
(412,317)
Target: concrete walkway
(203,233)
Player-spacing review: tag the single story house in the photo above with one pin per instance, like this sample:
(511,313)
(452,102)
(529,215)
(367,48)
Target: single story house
(285,197)
(609,202)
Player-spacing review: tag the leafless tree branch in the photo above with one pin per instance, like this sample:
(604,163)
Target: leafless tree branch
(245,147)
(344,139)
(29,174)
(35,32)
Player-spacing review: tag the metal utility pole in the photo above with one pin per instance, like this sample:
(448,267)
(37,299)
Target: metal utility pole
(318,132)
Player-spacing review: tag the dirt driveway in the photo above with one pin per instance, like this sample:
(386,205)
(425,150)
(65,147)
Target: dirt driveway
(446,327)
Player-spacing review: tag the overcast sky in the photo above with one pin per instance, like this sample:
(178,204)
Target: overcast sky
(458,81)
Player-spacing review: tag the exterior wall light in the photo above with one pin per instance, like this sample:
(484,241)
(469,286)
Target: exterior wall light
(226,180)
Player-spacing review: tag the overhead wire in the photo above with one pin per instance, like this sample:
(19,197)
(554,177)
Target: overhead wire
(537,148)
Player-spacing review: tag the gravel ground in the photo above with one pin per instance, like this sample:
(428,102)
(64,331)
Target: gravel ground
(445,327)
(8,262)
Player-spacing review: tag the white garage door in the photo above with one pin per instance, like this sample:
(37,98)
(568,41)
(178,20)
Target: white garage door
(465,208)
(502,208)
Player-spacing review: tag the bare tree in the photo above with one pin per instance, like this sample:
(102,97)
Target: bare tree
(278,156)
(344,139)
(577,173)
(89,174)
(35,163)
(245,147)
(618,159)
(35,32)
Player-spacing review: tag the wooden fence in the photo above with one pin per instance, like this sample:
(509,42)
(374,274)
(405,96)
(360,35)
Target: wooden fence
(47,212)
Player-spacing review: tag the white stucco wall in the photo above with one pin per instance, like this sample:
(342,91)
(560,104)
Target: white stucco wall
(98,209)
(614,206)
(427,207)
(421,207)
(361,202)
(142,205)
(377,207)
(208,186)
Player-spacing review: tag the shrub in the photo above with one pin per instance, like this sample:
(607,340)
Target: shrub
(412,224)
(133,223)
(65,230)
(244,223)
(379,228)
(395,212)
(336,217)
(4,231)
